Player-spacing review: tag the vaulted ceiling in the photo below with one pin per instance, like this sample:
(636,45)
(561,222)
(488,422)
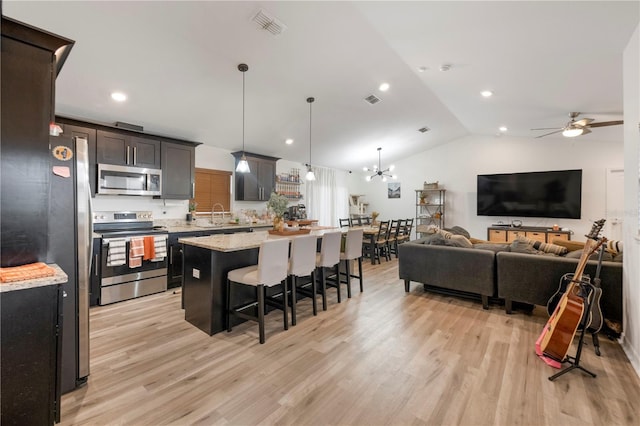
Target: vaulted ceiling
(177,62)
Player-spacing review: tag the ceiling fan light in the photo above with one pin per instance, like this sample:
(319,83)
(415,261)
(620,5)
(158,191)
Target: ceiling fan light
(394,177)
(384,178)
(243,165)
(391,167)
(572,132)
(368,178)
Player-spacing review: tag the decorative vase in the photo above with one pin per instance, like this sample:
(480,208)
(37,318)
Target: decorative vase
(278,223)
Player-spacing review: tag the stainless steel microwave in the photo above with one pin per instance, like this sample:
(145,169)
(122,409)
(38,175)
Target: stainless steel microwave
(124,180)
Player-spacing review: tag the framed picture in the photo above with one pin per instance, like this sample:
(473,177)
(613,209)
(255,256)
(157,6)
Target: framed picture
(393,190)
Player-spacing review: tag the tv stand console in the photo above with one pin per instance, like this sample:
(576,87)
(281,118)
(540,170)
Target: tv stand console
(506,234)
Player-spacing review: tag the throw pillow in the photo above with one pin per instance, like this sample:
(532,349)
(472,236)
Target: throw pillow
(614,247)
(522,245)
(458,230)
(570,245)
(546,247)
(460,241)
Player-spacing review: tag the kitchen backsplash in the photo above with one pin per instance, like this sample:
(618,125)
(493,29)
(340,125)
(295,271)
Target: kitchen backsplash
(161,209)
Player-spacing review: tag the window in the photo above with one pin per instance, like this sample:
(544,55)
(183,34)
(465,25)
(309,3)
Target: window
(212,187)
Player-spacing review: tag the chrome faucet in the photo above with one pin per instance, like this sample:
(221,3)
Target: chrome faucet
(213,212)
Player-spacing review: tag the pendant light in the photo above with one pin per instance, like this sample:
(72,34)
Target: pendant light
(243,165)
(310,176)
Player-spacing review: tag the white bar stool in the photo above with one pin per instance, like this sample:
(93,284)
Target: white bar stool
(302,263)
(352,251)
(270,271)
(328,258)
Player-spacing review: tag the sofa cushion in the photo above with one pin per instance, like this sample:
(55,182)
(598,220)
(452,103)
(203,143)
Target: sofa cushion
(576,254)
(494,247)
(522,245)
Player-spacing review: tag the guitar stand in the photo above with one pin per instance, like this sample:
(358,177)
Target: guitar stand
(575,360)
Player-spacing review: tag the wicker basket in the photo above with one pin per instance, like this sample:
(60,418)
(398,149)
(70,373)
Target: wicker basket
(432,185)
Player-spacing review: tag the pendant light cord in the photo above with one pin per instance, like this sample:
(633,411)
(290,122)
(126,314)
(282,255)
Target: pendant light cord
(310,134)
(243,113)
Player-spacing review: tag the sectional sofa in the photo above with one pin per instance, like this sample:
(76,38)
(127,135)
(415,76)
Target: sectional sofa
(494,272)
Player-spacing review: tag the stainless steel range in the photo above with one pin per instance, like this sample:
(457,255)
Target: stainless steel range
(133,255)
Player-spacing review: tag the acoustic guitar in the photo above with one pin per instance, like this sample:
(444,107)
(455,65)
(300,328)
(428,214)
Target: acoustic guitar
(557,335)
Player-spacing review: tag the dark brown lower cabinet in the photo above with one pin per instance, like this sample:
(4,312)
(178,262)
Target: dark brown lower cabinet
(30,356)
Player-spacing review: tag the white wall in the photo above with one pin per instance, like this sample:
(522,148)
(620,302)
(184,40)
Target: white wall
(456,164)
(631,268)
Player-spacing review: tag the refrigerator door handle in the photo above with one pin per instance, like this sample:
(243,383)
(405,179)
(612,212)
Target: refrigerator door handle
(85,258)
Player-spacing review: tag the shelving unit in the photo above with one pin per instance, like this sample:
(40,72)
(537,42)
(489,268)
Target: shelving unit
(288,184)
(430,209)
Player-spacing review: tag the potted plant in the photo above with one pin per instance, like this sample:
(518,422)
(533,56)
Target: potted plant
(192,211)
(278,204)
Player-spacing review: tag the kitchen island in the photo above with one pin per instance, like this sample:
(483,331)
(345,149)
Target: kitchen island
(206,262)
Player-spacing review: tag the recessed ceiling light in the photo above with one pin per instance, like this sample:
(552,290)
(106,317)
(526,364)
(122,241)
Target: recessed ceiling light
(288,141)
(422,69)
(445,67)
(118,96)
(503,128)
(384,87)
(486,93)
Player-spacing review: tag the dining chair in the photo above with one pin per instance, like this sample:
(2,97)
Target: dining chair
(404,232)
(344,222)
(356,221)
(409,228)
(392,235)
(271,270)
(302,263)
(380,245)
(327,260)
(366,220)
(352,251)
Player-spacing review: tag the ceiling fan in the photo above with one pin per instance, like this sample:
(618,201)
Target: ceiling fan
(576,128)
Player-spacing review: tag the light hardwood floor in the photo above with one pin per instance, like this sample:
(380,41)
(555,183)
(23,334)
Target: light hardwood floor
(381,357)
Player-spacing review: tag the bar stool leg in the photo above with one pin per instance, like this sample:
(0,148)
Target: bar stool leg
(314,303)
(261,306)
(323,288)
(294,299)
(348,275)
(285,303)
(360,273)
(228,305)
(338,281)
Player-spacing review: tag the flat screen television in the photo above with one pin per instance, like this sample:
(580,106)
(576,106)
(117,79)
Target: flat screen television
(553,194)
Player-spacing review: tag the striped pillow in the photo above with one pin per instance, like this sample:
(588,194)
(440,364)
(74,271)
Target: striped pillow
(614,247)
(545,247)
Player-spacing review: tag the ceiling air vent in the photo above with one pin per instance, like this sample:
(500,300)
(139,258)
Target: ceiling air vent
(424,129)
(268,23)
(372,99)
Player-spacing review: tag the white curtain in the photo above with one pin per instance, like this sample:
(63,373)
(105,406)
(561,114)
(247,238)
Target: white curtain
(327,196)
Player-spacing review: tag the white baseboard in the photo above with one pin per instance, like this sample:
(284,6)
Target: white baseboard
(633,356)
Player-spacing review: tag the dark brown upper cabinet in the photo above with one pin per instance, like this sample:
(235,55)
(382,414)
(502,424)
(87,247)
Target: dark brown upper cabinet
(127,150)
(259,183)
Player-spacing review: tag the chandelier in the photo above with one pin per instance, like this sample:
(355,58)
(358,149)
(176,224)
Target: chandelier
(378,171)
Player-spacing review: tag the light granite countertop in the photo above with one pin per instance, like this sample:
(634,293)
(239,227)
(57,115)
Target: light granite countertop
(177,225)
(59,278)
(243,240)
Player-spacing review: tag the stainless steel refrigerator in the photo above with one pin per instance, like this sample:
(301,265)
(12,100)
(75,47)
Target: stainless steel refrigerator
(70,242)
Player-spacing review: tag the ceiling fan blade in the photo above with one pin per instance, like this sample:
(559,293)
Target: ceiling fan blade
(547,134)
(585,130)
(549,128)
(606,123)
(583,122)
